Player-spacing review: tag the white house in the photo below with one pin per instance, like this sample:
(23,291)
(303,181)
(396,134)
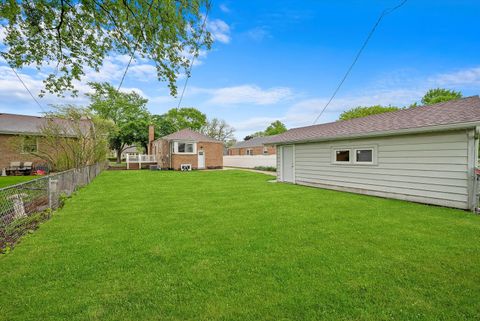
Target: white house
(426,154)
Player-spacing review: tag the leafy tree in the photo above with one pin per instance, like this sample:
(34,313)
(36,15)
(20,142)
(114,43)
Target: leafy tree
(162,126)
(219,129)
(361,111)
(438,95)
(75,34)
(229,143)
(186,118)
(275,128)
(128,113)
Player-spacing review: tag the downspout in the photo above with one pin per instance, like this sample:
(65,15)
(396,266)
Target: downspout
(171,154)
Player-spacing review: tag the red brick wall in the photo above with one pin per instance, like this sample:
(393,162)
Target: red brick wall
(10,151)
(256,151)
(161,148)
(213,156)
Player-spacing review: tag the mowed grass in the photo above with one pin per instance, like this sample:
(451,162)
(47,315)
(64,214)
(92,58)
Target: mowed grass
(229,245)
(12,180)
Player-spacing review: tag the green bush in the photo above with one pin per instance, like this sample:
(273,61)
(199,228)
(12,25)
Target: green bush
(266,168)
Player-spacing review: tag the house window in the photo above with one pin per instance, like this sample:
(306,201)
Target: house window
(250,152)
(265,151)
(186,148)
(364,155)
(342,155)
(29,145)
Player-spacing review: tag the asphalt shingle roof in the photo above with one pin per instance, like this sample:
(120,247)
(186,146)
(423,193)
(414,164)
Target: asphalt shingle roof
(254,142)
(29,125)
(458,111)
(188,134)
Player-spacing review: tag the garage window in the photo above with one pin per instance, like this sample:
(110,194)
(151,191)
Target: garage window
(364,155)
(342,156)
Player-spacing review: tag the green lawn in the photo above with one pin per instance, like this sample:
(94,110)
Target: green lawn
(12,180)
(229,245)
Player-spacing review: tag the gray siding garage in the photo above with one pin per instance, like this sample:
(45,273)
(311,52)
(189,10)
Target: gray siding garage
(427,164)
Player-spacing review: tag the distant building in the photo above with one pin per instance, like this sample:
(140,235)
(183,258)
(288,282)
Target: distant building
(254,146)
(186,149)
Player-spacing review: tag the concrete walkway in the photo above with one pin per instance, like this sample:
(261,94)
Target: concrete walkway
(251,170)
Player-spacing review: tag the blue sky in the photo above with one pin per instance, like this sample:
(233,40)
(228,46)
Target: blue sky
(283,59)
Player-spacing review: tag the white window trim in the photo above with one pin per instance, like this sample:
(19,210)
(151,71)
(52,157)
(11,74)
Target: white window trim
(334,155)
(353,155)
(175,148)
(249,151)
(374,155)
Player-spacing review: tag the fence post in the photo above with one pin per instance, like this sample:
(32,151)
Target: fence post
(52,190)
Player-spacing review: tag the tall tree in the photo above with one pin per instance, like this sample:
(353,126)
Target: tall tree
(361,111)
(177,119)
(75,34)
(275,128)
(439,95)
(126,110)
(219,129)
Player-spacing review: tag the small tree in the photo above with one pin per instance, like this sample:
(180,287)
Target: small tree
(360,111)
(72,137)
(439,95)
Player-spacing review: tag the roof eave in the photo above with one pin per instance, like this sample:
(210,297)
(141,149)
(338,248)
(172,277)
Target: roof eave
(384,133)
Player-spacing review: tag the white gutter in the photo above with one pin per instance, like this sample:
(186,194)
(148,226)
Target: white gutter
(382,133)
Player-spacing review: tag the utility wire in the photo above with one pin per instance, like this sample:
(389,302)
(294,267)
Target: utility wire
(25,85)
(133,52)
(193,57)
(384,13)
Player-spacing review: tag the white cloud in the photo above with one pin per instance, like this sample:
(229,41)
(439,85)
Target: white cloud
(258,33)
(219,29)
(224,8)
(246,94)
(466,77)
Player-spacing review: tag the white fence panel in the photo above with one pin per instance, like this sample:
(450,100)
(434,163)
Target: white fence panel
(248,161)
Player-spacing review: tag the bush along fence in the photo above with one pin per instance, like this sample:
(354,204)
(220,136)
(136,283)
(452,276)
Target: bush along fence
(24,206)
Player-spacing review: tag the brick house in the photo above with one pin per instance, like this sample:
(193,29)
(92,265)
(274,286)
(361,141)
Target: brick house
(19,137)
(254,146)
(186,148)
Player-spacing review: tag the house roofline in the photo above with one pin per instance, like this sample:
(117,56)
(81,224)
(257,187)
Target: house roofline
(406,131)
(4,132)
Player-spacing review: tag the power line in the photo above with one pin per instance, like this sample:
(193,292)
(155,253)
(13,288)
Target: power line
(25,85)
(384,13)
(193,57)
(134,49)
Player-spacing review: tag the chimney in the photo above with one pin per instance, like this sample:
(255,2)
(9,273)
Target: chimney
(151,138)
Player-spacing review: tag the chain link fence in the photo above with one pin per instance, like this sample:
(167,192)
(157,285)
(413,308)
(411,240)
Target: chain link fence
(24,206)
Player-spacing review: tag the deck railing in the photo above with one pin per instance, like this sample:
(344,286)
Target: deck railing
(140,159)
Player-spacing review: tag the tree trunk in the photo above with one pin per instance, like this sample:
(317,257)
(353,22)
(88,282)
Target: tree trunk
(119,156)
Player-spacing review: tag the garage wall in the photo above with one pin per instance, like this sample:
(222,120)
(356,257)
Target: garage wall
(427,168)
